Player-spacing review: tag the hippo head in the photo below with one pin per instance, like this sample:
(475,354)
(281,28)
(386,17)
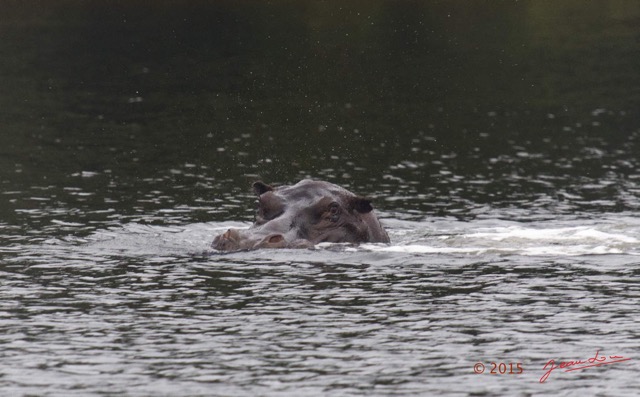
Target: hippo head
(305,214)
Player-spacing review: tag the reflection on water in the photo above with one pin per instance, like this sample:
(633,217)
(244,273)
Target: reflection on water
(497,141)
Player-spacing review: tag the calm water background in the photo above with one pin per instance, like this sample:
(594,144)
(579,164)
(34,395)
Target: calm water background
(499,141)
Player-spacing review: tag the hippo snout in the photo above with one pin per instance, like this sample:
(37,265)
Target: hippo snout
(228,241)
(235,239)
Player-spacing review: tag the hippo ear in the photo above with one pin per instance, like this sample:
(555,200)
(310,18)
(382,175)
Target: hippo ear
(361,204)
(260,188)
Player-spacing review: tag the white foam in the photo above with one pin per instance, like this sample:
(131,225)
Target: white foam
(546,250)
(536,240)
(557,234)
(425,249)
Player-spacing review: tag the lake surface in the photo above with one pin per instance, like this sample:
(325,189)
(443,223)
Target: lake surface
(499,144)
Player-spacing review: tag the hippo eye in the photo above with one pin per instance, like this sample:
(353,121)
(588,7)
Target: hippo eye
(268,209)
(334,212)
(263,212)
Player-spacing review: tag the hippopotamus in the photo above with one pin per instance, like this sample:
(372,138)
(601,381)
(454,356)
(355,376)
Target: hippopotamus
(303,215)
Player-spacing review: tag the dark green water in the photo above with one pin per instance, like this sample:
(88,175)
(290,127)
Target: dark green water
(499,141)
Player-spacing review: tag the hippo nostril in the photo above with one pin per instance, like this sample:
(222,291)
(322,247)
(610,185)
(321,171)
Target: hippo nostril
(272,241)
(228,241)
(231,234)
(276,239)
